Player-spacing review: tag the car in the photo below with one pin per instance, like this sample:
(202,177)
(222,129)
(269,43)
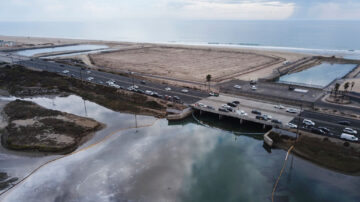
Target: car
(279,107)
(291,88)
(292,110)
(184,90)
(89,72)
(236,102)
(253,88)
(116,86)
(168,89)
(256,112)
(227,107)
(142,82)
(61,65)
(100,82)
(148,92)
(222,109)
(241,113)
(350,131)
(291,125)
(317,131)
(141,91)
(202,105)
(349,137)
(308,122)
(73,75)
(135,86)
(345,123)
(231,104)
(237,86)
(210,107)
(65,71)
(213,94)
(276,121)
(90,78)
(326,130)
(260,117)
(176,97)
(253,82)
(267,117)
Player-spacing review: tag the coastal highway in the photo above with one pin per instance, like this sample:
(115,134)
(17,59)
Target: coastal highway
(100,77)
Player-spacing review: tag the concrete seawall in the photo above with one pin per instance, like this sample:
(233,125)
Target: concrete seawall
(182,115)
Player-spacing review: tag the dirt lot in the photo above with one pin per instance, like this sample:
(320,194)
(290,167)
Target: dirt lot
(193,63)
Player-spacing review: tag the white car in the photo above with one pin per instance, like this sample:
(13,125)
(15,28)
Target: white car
(135,86)
(279,107)
(241,113)
(308,122)
(350,131)
(349,137)
(184,90)
(148,92)
(268,117)
(89,72)
(202,105)
(237,86)
(291,125)
(168,89)
(253,88)
(90,78)
(65,71)
(292,110)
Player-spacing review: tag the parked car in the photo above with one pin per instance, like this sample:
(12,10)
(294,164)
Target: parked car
(350,131)
(184,90)
(276,121)
(349,137)
(308,122)
(279,107)
(237,86)
(256,112)
(345,123)
(292,110)
(291,125)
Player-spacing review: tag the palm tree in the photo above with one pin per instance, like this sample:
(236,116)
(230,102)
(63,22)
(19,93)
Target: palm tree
(208,79)
(352,85)
(337,86)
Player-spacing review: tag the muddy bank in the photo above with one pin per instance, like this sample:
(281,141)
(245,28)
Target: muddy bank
(20,82)
(34,128)
(328,152)
(6,181)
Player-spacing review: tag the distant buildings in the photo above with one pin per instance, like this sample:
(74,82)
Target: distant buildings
(6,43)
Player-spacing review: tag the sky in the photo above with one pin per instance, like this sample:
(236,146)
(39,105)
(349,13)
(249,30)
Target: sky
(90,10)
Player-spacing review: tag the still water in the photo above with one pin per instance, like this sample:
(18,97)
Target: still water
(320,75)
(182,161)
(82,47)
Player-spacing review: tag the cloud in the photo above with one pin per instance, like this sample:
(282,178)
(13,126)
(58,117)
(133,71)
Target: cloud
(335,11)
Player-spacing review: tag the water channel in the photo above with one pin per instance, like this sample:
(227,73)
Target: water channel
(140,158)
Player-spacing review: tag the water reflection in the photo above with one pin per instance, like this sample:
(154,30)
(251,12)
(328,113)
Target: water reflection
(181,161)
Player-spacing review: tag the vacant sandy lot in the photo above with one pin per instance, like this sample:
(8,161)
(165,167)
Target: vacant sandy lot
(187,63)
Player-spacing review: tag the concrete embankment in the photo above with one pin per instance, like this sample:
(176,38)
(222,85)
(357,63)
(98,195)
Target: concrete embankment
(181,115)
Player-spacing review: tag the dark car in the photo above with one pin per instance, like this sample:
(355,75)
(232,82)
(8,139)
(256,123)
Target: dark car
(140,91)
(176,97)
(252,82)
(260,117)
(231,104)
(143,82)
(223,109)
(236,102)
(276,121)
(317,131)
(256,112)
(345,123)
(291,88)
(210,107)
(326,130)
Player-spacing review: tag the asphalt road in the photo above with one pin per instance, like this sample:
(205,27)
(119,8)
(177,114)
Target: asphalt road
(101,77)
(328,121)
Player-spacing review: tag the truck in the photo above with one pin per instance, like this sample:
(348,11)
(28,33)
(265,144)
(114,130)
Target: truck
(349,137)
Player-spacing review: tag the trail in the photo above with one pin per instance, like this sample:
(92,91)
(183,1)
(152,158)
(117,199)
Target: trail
(72,153)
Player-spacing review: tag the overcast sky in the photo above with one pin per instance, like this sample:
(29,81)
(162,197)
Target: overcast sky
(89,10)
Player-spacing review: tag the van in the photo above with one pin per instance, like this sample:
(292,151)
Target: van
(349,137)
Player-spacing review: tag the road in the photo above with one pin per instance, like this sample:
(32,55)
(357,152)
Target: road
(190,97)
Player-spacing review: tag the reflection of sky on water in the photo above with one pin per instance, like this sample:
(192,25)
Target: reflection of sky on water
(320,75)
(185,162)
(31,52)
